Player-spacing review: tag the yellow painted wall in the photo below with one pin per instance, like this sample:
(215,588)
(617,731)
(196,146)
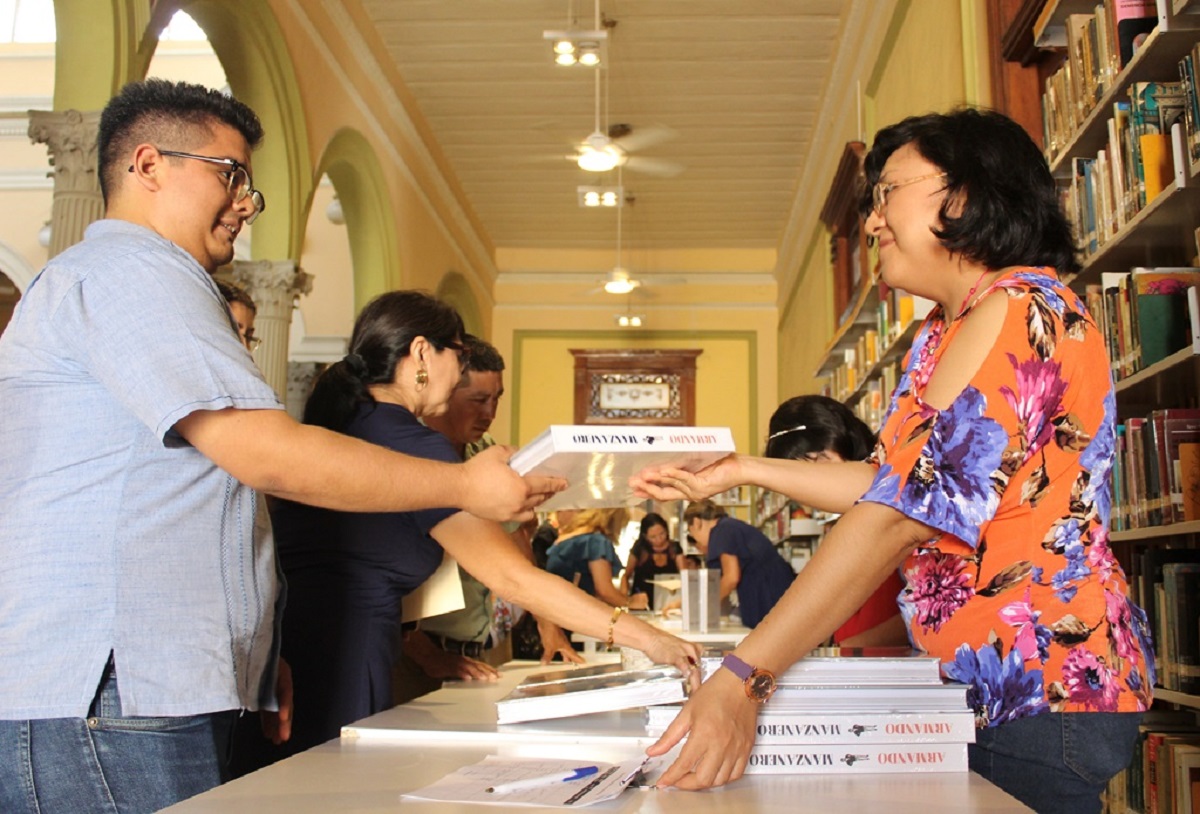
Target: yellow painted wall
(434,237)
(735,381)
(725,376)
(922,68)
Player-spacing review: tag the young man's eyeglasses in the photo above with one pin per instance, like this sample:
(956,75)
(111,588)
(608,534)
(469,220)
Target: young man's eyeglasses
(879,192)
(237,180)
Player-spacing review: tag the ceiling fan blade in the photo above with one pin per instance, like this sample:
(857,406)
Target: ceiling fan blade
(641,138)
(654,166)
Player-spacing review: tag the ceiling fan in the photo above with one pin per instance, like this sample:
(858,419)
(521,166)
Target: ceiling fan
(606,149)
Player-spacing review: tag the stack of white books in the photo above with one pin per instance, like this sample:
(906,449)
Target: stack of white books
(867,710)
(584,690)
(598,460)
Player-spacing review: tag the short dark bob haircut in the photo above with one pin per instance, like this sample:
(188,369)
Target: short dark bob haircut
(1010,209)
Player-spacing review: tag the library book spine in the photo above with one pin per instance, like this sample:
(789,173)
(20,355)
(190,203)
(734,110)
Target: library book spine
(854,759)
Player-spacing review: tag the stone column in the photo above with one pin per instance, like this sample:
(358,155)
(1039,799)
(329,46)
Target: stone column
(301,376)
(71,138)
(274,286)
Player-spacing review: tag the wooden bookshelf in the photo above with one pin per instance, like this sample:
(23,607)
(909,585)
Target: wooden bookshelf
(859,318)
(1157,58)
(1161,234)
(894,351)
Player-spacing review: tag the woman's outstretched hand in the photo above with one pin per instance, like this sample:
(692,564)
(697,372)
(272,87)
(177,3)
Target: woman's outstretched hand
(718,721)
(670,483)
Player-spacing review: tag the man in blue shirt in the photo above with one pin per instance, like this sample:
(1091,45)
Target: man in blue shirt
(137,605)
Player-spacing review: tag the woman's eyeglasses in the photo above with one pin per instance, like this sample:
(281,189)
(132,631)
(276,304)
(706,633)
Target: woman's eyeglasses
(879,192)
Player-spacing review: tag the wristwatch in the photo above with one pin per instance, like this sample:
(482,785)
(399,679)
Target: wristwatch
(758,683)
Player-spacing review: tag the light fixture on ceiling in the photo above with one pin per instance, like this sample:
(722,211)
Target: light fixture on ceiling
(599,153)
(588,49)
(43,235)
(629,320)
(596,196)
(576,47)
(619,281)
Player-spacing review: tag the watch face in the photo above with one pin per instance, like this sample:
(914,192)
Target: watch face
(760,685)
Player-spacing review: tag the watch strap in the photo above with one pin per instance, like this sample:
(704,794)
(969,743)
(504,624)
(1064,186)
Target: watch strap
(736,666)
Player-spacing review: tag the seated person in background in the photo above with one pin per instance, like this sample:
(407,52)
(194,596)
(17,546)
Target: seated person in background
(818,428)
(585,555)
(466,644)
(748,561)
(654,554)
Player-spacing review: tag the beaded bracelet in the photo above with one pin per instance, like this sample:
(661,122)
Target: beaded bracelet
(612,623)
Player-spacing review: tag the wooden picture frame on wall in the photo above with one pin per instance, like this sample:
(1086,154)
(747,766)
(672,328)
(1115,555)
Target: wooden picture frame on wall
(655,387)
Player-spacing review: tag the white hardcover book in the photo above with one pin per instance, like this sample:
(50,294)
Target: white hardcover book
(598,693)
(854,666)
(598,460)
(780,727)
(877,698)
(857,759)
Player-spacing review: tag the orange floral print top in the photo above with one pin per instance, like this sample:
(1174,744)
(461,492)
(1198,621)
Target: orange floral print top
(1019,594)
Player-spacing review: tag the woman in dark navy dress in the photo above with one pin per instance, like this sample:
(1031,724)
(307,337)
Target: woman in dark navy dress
(747,559)
(347,572)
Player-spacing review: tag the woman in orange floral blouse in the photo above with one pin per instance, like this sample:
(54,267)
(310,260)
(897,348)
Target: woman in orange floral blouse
(989,487)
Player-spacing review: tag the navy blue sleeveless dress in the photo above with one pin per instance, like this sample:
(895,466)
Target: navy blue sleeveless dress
(346,574)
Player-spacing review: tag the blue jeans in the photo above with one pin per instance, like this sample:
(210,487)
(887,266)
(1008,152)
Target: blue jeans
(109,764)
(1056,763)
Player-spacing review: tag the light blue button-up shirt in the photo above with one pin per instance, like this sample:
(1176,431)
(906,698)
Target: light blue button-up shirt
(115,534)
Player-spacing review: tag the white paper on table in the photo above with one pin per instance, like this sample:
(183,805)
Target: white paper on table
(470,784)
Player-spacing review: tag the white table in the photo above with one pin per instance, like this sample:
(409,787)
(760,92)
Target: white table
(726,632)
(412,745)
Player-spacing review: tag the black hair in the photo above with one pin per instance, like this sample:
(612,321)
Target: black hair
(171,115)
(650,521)
(482,356)
(235,293)
(806,425)
(1011,214)
(382,335)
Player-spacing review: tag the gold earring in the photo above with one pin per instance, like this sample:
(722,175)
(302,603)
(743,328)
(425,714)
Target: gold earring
(422,377)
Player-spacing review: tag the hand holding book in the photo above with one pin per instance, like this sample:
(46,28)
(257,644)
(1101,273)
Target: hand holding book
(492,490)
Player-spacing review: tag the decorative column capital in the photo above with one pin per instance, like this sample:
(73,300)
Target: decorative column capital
(280,281)
(71,138)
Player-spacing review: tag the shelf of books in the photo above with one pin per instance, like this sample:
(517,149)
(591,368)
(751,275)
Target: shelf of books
(863,363)
(1120,129)
(1106,59)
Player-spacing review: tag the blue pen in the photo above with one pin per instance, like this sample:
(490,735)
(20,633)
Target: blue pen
(545,780)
